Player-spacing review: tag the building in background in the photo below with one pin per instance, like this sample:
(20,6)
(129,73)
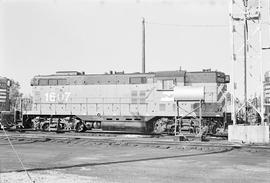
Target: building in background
(4,94)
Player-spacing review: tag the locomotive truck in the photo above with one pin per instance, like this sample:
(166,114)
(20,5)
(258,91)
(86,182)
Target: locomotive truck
(118,101)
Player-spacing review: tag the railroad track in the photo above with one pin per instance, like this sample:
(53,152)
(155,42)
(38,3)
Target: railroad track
(108,133)
(89,132)
(133,139)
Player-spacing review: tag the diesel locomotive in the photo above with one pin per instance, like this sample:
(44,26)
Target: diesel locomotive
(118,101)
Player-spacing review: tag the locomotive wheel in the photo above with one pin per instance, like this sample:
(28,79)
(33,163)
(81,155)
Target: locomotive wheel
(97,125)
(45,127)
(160,126)
(80,127)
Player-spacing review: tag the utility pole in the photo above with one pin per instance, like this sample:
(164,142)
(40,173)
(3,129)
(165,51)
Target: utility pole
(245,27)
(143,45)
(245,58)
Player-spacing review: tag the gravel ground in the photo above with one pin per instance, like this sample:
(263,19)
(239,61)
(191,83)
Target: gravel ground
(48,177)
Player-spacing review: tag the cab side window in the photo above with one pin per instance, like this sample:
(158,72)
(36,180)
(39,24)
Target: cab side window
(167,84)
(43,82)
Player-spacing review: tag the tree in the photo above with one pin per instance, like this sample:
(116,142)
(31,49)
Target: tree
(27,102)
(14,94)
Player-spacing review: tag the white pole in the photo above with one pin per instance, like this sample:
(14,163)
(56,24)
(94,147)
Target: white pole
(261,64)
(260,58)
(231,27)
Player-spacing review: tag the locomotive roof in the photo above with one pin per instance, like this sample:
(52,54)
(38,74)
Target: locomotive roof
(78,78)
(174,73)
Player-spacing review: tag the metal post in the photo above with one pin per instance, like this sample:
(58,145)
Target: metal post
(200,113)
(245,59)
(262,75)
(21,104)
(143,45)
(14,115)
(232,30)
(226,110)
(176,118)
(262,96)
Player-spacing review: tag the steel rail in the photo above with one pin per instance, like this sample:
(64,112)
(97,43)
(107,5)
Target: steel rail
(138,140)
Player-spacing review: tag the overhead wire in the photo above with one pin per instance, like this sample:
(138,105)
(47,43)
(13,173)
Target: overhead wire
(190,25)
(18,157)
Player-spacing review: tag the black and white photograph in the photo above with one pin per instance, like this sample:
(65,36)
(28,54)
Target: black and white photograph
(134,91)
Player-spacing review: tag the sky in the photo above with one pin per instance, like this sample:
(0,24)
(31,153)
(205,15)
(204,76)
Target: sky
(95,36)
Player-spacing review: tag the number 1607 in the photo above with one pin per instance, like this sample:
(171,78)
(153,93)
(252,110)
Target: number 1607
(57,97)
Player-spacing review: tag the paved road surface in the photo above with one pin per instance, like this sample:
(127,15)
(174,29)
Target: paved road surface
(88,162)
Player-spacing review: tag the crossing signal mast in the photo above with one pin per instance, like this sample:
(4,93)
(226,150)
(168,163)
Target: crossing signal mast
(247,66)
